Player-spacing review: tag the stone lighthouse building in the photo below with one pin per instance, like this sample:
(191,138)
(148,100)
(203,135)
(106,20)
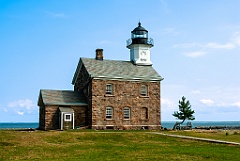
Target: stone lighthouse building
(108,94)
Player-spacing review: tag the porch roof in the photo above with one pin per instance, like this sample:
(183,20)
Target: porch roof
(62,97)
(66,109)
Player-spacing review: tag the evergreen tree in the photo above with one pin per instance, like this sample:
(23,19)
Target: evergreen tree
(185,111)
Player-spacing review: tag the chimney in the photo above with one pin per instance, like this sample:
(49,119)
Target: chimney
(99,54)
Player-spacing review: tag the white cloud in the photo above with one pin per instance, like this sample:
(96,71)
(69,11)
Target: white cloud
(22,106)
(202,49)
(236,104)
(213,45)
(20,113)
(207,102)
(195,54)
(206,46)
(227,106)
(22,103)
(236,38)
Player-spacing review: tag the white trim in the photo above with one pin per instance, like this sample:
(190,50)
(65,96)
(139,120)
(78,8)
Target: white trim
(68,119)
(61,120)
(73,120)
(109,112)
(129,79)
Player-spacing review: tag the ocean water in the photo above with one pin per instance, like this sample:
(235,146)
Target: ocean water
(165,124)
(18,125)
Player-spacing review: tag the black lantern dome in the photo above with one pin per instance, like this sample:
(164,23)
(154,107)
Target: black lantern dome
(139,32)
(139,36)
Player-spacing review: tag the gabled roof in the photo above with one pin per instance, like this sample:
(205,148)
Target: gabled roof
(61,97)
(115,69)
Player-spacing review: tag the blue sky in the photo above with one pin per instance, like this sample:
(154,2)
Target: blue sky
(196,50)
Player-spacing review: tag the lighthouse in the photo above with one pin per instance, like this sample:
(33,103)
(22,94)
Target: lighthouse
(139,45)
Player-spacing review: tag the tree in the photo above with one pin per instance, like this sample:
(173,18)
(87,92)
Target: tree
(185,111)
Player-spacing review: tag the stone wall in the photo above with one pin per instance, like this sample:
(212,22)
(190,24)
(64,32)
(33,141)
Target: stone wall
(42,117)
(80,116)
(83,83)
(126,94)
(82,80)
(52,117)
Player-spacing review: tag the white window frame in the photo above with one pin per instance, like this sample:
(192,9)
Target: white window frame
(109,113)
(144,90)
(109,88)
(67,119)
(126,113)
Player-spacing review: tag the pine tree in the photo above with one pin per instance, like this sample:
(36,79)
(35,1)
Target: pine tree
(185,111)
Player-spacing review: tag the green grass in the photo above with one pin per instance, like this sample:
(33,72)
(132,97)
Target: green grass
(92,145)
(226,135)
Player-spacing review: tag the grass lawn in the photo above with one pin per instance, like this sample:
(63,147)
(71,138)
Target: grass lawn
(226,135)
(100,145)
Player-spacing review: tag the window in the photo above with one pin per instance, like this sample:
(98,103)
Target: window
(68,117)
(109,89)
(109,112)
(126,113)
(144,113)
(144,90)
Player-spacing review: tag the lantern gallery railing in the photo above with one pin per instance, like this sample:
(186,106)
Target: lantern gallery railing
(149,41)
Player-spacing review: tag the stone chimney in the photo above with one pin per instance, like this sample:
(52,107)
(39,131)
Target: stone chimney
(99,54)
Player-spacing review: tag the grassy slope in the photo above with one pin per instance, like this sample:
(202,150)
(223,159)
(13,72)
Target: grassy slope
(89,145)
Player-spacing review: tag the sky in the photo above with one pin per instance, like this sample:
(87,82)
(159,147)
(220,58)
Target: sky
(196,50)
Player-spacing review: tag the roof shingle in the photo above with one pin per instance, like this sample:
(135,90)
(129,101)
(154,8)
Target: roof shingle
(62,97)
(115,69)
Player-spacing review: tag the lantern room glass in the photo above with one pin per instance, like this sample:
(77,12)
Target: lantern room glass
(139,34)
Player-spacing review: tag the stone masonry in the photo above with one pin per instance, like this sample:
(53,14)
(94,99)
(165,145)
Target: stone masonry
(126,94)
(49,118)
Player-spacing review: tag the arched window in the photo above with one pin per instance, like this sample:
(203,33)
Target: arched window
(126,113)
(109,113)
(144,113)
